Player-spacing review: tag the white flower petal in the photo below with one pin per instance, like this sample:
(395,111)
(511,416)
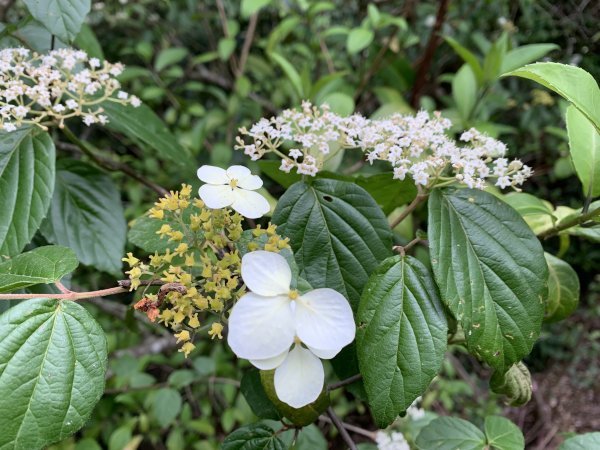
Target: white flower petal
(250,204)
(261,327)
(250,182)
(216,196)
(238,172)
(324,320)
(270,363)
(299,380)
(213,175)
(266,273)
(324,354)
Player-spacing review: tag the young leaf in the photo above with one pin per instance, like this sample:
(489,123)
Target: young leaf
(494,58)
(401,336)
(338,234)
(53,358)
(166,406)
(585,441)
(254,393)
(144,234)
(491,271)
(515,384)
(290,71)
(26,185)
(250,7)
(467,56)
(573,83)
(563,289)
(451,433)
(86,215)
(143,126)
(464,91)
(169,56)
(502,434)
(584,145)
(41,265)
(359,39)
(256,436)
(525,54)
(87,41)
(61,17)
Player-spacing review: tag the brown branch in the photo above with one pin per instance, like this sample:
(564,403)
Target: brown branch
(345,382)
(326,55)
(420,198)
(247,44)
(432,44)
(340,426)
(349,427)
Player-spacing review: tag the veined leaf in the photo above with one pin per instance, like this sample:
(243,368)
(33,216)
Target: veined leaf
(41,265)
(256,436)
(525,54)
(26,185)
(584,145)
(467,56)
(585,441)
(61,17)
(502,434)
(491,271)
(53,358)
(563,289)
(401,336)
(451,433)
(515,384)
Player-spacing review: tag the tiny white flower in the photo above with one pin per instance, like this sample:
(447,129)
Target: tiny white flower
(233,187)
(135,102)
(277,328)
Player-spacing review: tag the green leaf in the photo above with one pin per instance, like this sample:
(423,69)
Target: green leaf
(340,103)
(254,393)
(494,58)
(573,83)
(169,56)
(467,56)
(166,406)
(41,265)
(502,434)
(525,54)
(86,40)
(144,127)
(515,384)
(61,17)
(451,433)
(26,185)
(563,289)
(250,7)
(290,72)
(338,234)
(53,358)
(401,338)
(491,271)
(464,91)
(256,436)
(225,48)
(359,39)
(584,145)
(587,441)
(86,215)
(535,211)
(387,192)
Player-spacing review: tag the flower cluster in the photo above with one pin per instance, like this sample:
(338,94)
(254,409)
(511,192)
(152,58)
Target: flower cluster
(416,146)
(391,441)
(276,327)
(198,267)
(50,88)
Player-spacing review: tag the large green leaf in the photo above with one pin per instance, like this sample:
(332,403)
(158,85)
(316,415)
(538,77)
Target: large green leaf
(502,434)
(41,265)
(573,83)
(563,289)
(451,433)
(338,234)
(525,54)
(587,441)
(401,338)
(515,384)
(491,271)
(53,358)
(61,17)
(256,436)
(143,126)
(584,145)
(26,185)
(87,216)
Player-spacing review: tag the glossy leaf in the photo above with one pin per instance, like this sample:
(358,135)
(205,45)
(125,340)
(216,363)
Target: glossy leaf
(53,358)
(515,384)
(450,433)
(585,441)
(491,271)
(144,127)
(41,265)
(338,234)
(257,436)
(401,337)
(573,83)
(502,434)
(26,185)
(86,215)
(61,17)
(254,393)
(584,145)
(525,54)
(563,289)
(535,211)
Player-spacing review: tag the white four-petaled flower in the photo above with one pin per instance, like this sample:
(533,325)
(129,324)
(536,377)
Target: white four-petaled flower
(233,187)
(275,327)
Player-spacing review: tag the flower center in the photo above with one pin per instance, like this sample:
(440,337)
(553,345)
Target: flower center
(297,340)
(233,183)
(293,294)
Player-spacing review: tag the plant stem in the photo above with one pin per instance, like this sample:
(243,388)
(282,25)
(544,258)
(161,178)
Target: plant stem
(578,220)
(345,382)
(340,426)
(420,198)
(353,428)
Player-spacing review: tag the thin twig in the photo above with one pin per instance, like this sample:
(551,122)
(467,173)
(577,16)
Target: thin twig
(578,220)
(326,55)
(247,44)
(345,382)
(402,249)
(340,426)
(349,427)
(420,198)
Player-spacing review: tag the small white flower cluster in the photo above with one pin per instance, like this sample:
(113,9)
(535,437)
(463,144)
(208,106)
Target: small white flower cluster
(414,412)
(417,146)
(391,441)
(50,88)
